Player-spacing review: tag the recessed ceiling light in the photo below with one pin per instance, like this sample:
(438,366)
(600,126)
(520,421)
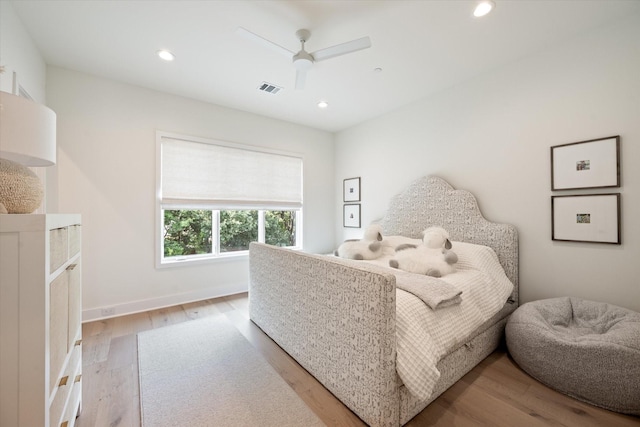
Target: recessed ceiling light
(166,55)
(377,70)
(483,8)
(323,104)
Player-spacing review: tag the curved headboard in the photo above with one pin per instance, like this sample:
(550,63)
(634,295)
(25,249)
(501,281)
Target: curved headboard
(431,201)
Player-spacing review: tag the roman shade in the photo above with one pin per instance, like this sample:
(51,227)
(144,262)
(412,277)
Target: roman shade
(218,174)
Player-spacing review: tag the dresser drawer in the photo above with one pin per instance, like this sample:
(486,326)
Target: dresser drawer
(65,386)
(58,326)
(63,392)
(75,303)
(58,248)
(74,239)
(73,408)
(64,243)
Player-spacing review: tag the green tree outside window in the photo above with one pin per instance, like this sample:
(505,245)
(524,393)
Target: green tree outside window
(237,230)
(190,232)
(187,232)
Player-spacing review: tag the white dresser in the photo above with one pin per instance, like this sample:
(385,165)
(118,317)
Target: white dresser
(40,320)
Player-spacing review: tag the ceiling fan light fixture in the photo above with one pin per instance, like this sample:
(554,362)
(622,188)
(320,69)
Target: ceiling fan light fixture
(166,55)
(302,60)
(483,8)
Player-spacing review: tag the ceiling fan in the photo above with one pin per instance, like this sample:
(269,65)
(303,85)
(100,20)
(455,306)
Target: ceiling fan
(303,60)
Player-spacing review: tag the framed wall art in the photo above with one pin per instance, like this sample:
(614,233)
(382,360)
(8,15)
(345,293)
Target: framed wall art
(591,218)
(586,164)
(351,190)
(351,216)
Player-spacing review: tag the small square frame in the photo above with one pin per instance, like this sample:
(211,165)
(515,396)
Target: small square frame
(351,216)
(351,190)
(593,218)
(586,164)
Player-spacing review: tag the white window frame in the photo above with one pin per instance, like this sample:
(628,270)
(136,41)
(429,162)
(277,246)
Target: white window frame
(216,255)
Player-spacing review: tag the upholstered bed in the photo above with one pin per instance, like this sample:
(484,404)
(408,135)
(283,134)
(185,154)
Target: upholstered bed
(340,319)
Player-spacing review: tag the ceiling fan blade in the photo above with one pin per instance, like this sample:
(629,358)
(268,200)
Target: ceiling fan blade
(301,77)
(342,49)
(267,43)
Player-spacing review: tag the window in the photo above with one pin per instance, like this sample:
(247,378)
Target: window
(214,198)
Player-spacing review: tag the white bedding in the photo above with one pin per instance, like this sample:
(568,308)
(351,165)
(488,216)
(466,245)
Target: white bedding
(423,335)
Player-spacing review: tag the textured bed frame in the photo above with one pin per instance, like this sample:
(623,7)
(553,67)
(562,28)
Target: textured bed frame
(338,320)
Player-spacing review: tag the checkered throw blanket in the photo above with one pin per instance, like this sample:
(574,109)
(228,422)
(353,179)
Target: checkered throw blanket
(425,335)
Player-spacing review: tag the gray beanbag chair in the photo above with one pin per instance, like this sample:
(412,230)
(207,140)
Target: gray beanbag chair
(587,350)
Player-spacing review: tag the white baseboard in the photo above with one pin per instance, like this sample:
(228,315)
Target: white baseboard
(99,313)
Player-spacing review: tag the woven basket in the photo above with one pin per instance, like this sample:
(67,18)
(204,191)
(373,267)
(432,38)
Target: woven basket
(20,189)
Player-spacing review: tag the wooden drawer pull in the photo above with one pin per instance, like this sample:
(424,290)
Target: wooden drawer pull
(72,266)
(78,378)
(63,381)
(77,343)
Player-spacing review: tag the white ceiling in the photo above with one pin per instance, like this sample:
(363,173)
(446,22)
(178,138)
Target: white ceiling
(421,46)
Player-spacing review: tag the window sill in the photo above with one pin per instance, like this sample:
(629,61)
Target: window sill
(201,260)
(194,260)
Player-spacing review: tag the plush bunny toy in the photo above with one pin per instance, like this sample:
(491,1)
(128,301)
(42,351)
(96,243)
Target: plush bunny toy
(433,257)
(367,248)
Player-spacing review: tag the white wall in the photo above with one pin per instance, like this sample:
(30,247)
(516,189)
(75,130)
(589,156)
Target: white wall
(24,66)
(18,53)
(107,172)
(492,135)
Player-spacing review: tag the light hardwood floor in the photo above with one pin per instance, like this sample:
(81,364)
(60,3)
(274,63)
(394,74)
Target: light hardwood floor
(495,393)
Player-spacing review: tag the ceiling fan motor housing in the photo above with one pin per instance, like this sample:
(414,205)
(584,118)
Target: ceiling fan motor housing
(303,35)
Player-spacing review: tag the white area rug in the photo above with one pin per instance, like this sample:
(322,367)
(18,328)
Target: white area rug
(205,373)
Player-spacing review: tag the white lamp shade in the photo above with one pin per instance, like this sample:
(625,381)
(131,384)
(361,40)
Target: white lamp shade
(27,131)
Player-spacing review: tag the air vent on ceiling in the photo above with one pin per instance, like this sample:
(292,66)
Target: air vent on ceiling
(269,88)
